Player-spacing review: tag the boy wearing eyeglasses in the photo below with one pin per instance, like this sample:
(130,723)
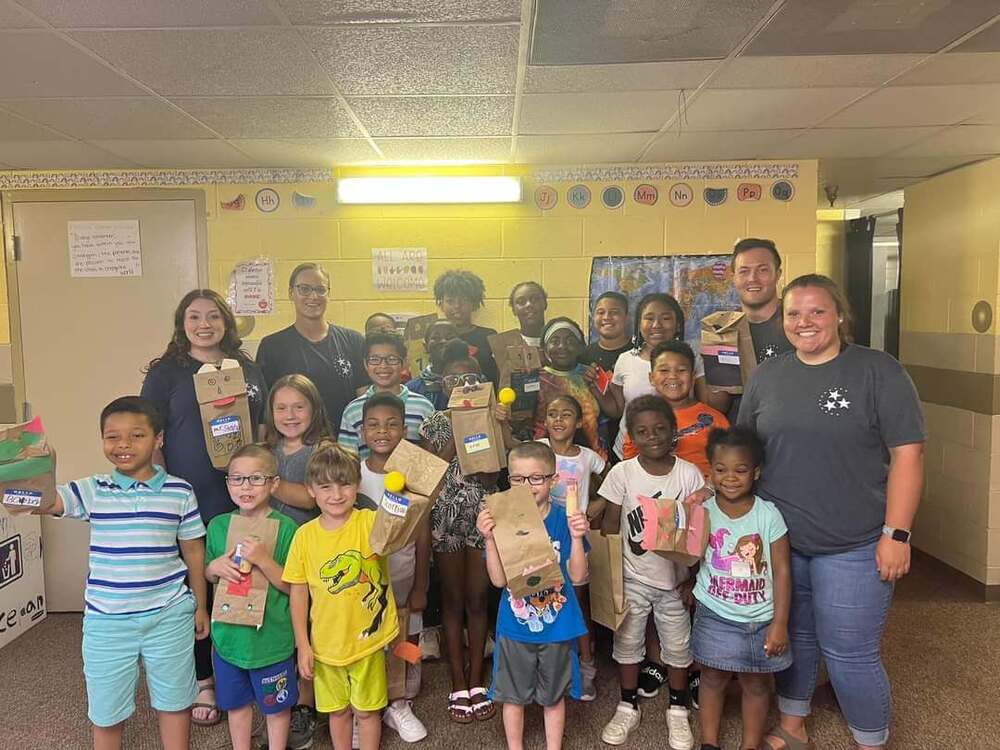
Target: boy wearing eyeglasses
(536,658)
(253,665)
(385,358)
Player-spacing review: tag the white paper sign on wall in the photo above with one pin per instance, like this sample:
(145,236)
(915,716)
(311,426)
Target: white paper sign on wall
(104,248)
(399,269)
(251,287)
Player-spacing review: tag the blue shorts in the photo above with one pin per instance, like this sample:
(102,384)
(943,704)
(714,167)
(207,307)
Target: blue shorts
(731,646)
(112,647)
(274,688)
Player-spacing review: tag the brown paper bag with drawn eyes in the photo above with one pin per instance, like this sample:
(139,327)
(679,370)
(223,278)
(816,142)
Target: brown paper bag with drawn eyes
(242,602)
(530,563)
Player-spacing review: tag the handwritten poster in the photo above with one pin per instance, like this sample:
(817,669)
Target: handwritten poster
(251,287)
(399,269)
(104,248)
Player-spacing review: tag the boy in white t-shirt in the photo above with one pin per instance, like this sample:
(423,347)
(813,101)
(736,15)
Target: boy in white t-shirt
(651,581)
(383,426)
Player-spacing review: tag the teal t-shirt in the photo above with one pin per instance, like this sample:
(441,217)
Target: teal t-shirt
(735,579)
(273,642)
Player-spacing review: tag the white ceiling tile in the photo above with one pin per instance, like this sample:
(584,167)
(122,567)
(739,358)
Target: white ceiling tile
(41,64)
(696,145)
(384,60)
(655,76)
(328,152)
(15,129)
(812,70)
(258,62)
(902,106)
(761,109)
(435,115)
(858,177)
(580,149)
(109,118)
(610,112)
(58,155)
(11,17)
(318,12)
(961,140)
(273,117)
(152,13)
(844,143)
(955,67)
(177,154)
(445,149)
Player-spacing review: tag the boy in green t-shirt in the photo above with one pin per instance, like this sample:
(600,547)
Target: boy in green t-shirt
(254,664)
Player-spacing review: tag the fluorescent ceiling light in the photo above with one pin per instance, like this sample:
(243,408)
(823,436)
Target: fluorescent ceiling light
(429,190)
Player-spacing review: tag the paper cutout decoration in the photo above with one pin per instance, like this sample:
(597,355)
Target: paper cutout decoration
(236,204)
(681,194)
(646,195)
(603,379)
(748,191)
(716,196)
(546,197)
(578,196)
(301,200)
(612,197)
(267,200)
(782,190)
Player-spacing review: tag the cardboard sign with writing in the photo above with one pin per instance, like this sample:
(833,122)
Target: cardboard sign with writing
(417,357)
(225,410)
(518,364)
(478,437)
(674,529)
(27,469)
(607,580)
(727,350)
(529,561)
(400,515)
(242,602)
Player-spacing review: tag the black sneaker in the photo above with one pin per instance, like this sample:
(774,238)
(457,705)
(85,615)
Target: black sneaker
(303,727)
(694,681)
(651,679)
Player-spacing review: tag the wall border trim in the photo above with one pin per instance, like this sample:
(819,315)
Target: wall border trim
(132,178)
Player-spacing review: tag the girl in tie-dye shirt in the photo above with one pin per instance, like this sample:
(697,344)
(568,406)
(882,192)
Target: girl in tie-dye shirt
(562,342)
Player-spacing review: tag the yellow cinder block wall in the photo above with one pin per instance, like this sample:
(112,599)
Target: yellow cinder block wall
(951,248)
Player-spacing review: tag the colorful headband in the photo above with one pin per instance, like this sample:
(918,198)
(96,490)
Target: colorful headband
(562,325)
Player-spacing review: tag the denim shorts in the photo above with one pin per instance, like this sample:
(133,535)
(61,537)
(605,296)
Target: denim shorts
(730,646)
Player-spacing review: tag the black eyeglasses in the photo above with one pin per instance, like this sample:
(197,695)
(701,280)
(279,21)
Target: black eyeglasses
(390,359)
(305,290)
(468,378)
(533,479)
(255,480)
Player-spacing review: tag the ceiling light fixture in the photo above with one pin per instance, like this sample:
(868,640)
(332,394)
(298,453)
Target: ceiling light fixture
(429,190)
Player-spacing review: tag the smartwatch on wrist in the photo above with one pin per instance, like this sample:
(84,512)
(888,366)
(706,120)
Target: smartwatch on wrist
(897,535)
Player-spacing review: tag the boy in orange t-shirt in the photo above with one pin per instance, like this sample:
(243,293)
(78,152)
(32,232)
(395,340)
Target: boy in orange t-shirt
(672,375)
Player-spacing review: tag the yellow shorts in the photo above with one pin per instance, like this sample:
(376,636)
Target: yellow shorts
(361,685)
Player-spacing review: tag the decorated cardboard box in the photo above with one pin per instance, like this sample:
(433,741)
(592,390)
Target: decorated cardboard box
(225,411)
(27,469)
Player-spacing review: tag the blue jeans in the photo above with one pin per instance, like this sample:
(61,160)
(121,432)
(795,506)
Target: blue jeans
(839,609)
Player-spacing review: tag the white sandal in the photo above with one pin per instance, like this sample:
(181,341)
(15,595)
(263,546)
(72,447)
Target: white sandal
(456,711)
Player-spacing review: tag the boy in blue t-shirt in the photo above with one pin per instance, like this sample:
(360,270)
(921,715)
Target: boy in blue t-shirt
(536,660)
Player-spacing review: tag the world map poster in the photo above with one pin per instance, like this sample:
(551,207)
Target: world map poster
(702,284)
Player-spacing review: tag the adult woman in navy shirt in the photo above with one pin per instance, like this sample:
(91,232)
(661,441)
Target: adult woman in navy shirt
(204,332)
(844,437)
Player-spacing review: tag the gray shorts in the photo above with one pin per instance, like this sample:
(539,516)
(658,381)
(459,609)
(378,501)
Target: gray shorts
(542,673)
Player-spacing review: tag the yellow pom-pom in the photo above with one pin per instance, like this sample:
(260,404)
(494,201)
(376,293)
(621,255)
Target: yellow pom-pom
(395,481)
(507,396)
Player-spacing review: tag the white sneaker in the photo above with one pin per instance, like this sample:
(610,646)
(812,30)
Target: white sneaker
(626,719)
(679,728)
(430,643)
(399,716)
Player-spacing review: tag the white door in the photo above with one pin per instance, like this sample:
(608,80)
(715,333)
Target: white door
(85,340)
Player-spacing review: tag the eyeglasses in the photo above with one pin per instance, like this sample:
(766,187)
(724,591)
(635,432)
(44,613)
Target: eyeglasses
(305,290)
(468,378)
(390,359)
(534,479)
(255,480)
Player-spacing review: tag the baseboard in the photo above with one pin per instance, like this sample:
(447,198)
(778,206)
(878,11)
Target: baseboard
(981,591)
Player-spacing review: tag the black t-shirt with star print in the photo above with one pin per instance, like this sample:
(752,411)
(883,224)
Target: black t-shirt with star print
(769,340)
(827,430)
(335,364)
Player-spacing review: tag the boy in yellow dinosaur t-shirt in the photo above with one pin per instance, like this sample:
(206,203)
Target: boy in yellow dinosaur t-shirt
(353,612)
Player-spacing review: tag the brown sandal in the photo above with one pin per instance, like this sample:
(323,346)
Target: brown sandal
(458,713)
(483,709)
(791,741)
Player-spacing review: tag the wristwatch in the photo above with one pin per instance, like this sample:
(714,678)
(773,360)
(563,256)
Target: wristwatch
(897,535)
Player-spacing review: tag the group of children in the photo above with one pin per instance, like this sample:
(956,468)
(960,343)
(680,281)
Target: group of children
(331,609)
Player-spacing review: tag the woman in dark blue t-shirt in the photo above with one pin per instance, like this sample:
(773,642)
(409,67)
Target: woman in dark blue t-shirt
(204,332)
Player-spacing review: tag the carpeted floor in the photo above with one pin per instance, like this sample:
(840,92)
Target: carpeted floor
(940,645)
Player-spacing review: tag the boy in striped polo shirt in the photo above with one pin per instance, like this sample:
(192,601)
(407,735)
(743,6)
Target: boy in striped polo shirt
(385,357)
(146,538)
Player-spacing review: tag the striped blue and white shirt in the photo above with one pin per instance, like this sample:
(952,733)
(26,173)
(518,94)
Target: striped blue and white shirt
(417,409)
(135,561)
